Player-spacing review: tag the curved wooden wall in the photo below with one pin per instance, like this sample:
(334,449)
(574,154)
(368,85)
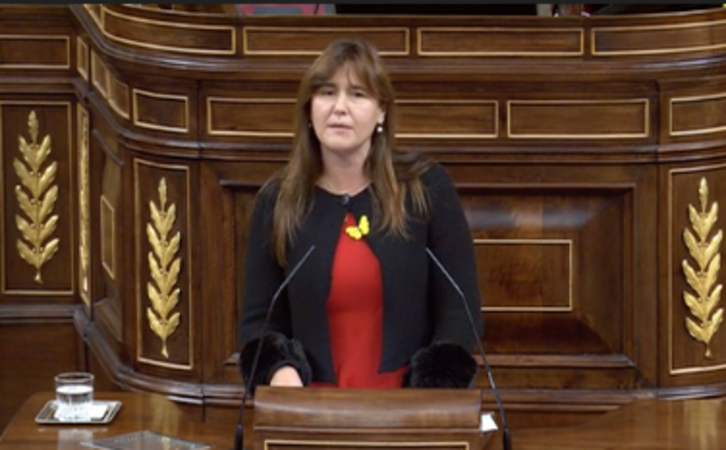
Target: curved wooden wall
(588,152)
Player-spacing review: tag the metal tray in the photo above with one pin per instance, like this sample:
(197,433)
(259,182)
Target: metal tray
(47,414)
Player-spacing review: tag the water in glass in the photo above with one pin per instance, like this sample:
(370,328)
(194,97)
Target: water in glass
(74,396)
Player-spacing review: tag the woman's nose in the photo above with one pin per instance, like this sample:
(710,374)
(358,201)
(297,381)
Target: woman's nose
(341,104)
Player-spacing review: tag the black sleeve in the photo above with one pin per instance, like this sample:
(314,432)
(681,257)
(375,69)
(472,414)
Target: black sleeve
(450,239)
(448,360)
(262,277)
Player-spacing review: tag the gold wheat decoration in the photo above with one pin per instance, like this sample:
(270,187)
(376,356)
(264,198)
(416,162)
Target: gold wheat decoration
(164,269)
(706,254)
(36,200)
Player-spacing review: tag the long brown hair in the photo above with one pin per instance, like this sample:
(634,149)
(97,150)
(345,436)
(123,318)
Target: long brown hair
(392,173)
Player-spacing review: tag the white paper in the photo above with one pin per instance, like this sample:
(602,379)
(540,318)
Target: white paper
(487,423)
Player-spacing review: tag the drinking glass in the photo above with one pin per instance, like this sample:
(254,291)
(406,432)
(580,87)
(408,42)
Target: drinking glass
(73,396)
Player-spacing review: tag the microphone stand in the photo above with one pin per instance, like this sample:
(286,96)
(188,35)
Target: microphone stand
(506,438)
(239,432)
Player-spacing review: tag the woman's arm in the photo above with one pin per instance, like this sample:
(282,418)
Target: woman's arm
(447,362)
(262,277)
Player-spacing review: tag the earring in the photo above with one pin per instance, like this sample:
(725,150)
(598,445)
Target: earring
(379,128)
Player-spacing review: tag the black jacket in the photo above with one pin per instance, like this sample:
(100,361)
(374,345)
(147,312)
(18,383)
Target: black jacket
(420,306)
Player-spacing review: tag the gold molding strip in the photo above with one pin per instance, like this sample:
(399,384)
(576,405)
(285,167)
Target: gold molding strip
(421,52)
(99,74)
(269,444)
(120,105)
(3,260)
(84,207)
(110,264)
(38,225)
(570,278)
(93,11)
(82,58)
(173,25)
(670,274)
(702,279)
(660,51)
(697,131)
(341,30)
(164,268)
(135,93)
(137,162)
(644,134)
(28,37)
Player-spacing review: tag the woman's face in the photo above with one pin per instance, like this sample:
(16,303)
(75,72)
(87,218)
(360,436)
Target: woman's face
(344,115)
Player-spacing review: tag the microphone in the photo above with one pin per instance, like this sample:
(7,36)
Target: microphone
(239,432)
(506,438)
(345,199)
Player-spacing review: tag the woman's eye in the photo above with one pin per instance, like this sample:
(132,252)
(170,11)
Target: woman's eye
(325,91)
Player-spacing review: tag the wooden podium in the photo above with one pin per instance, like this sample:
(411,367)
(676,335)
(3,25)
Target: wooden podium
(395,419)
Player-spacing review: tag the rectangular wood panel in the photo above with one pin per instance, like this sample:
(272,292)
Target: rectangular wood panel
(159,111)
(312,41)
(578,119)
(172,36)
(474,119)
(490,41)
(658,39)
(249,117)
(698,115)
(35,51)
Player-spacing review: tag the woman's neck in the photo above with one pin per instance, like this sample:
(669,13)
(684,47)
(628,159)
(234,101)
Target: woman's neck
(343,176)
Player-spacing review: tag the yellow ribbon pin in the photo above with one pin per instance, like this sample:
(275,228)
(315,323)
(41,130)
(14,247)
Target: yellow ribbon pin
(357,232)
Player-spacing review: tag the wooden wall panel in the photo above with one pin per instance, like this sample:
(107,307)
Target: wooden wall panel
(583,119)
(697,115)
(164,295)
(695,195)
(46,130)
(294,41)
(455,119)
(553,263)
(35,51)
(499,41)
(161,111)
(177,36)
(658,39)
(241,117)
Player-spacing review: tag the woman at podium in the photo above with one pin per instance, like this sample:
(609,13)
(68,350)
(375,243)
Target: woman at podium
(351,228)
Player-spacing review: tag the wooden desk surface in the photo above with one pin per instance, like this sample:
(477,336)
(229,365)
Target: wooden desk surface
(138,412)
(645,424)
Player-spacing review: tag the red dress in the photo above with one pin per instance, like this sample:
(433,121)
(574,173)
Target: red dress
(355,316)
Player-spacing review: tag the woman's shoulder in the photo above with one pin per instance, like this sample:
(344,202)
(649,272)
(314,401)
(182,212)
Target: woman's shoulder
(435,175)
(267,194)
